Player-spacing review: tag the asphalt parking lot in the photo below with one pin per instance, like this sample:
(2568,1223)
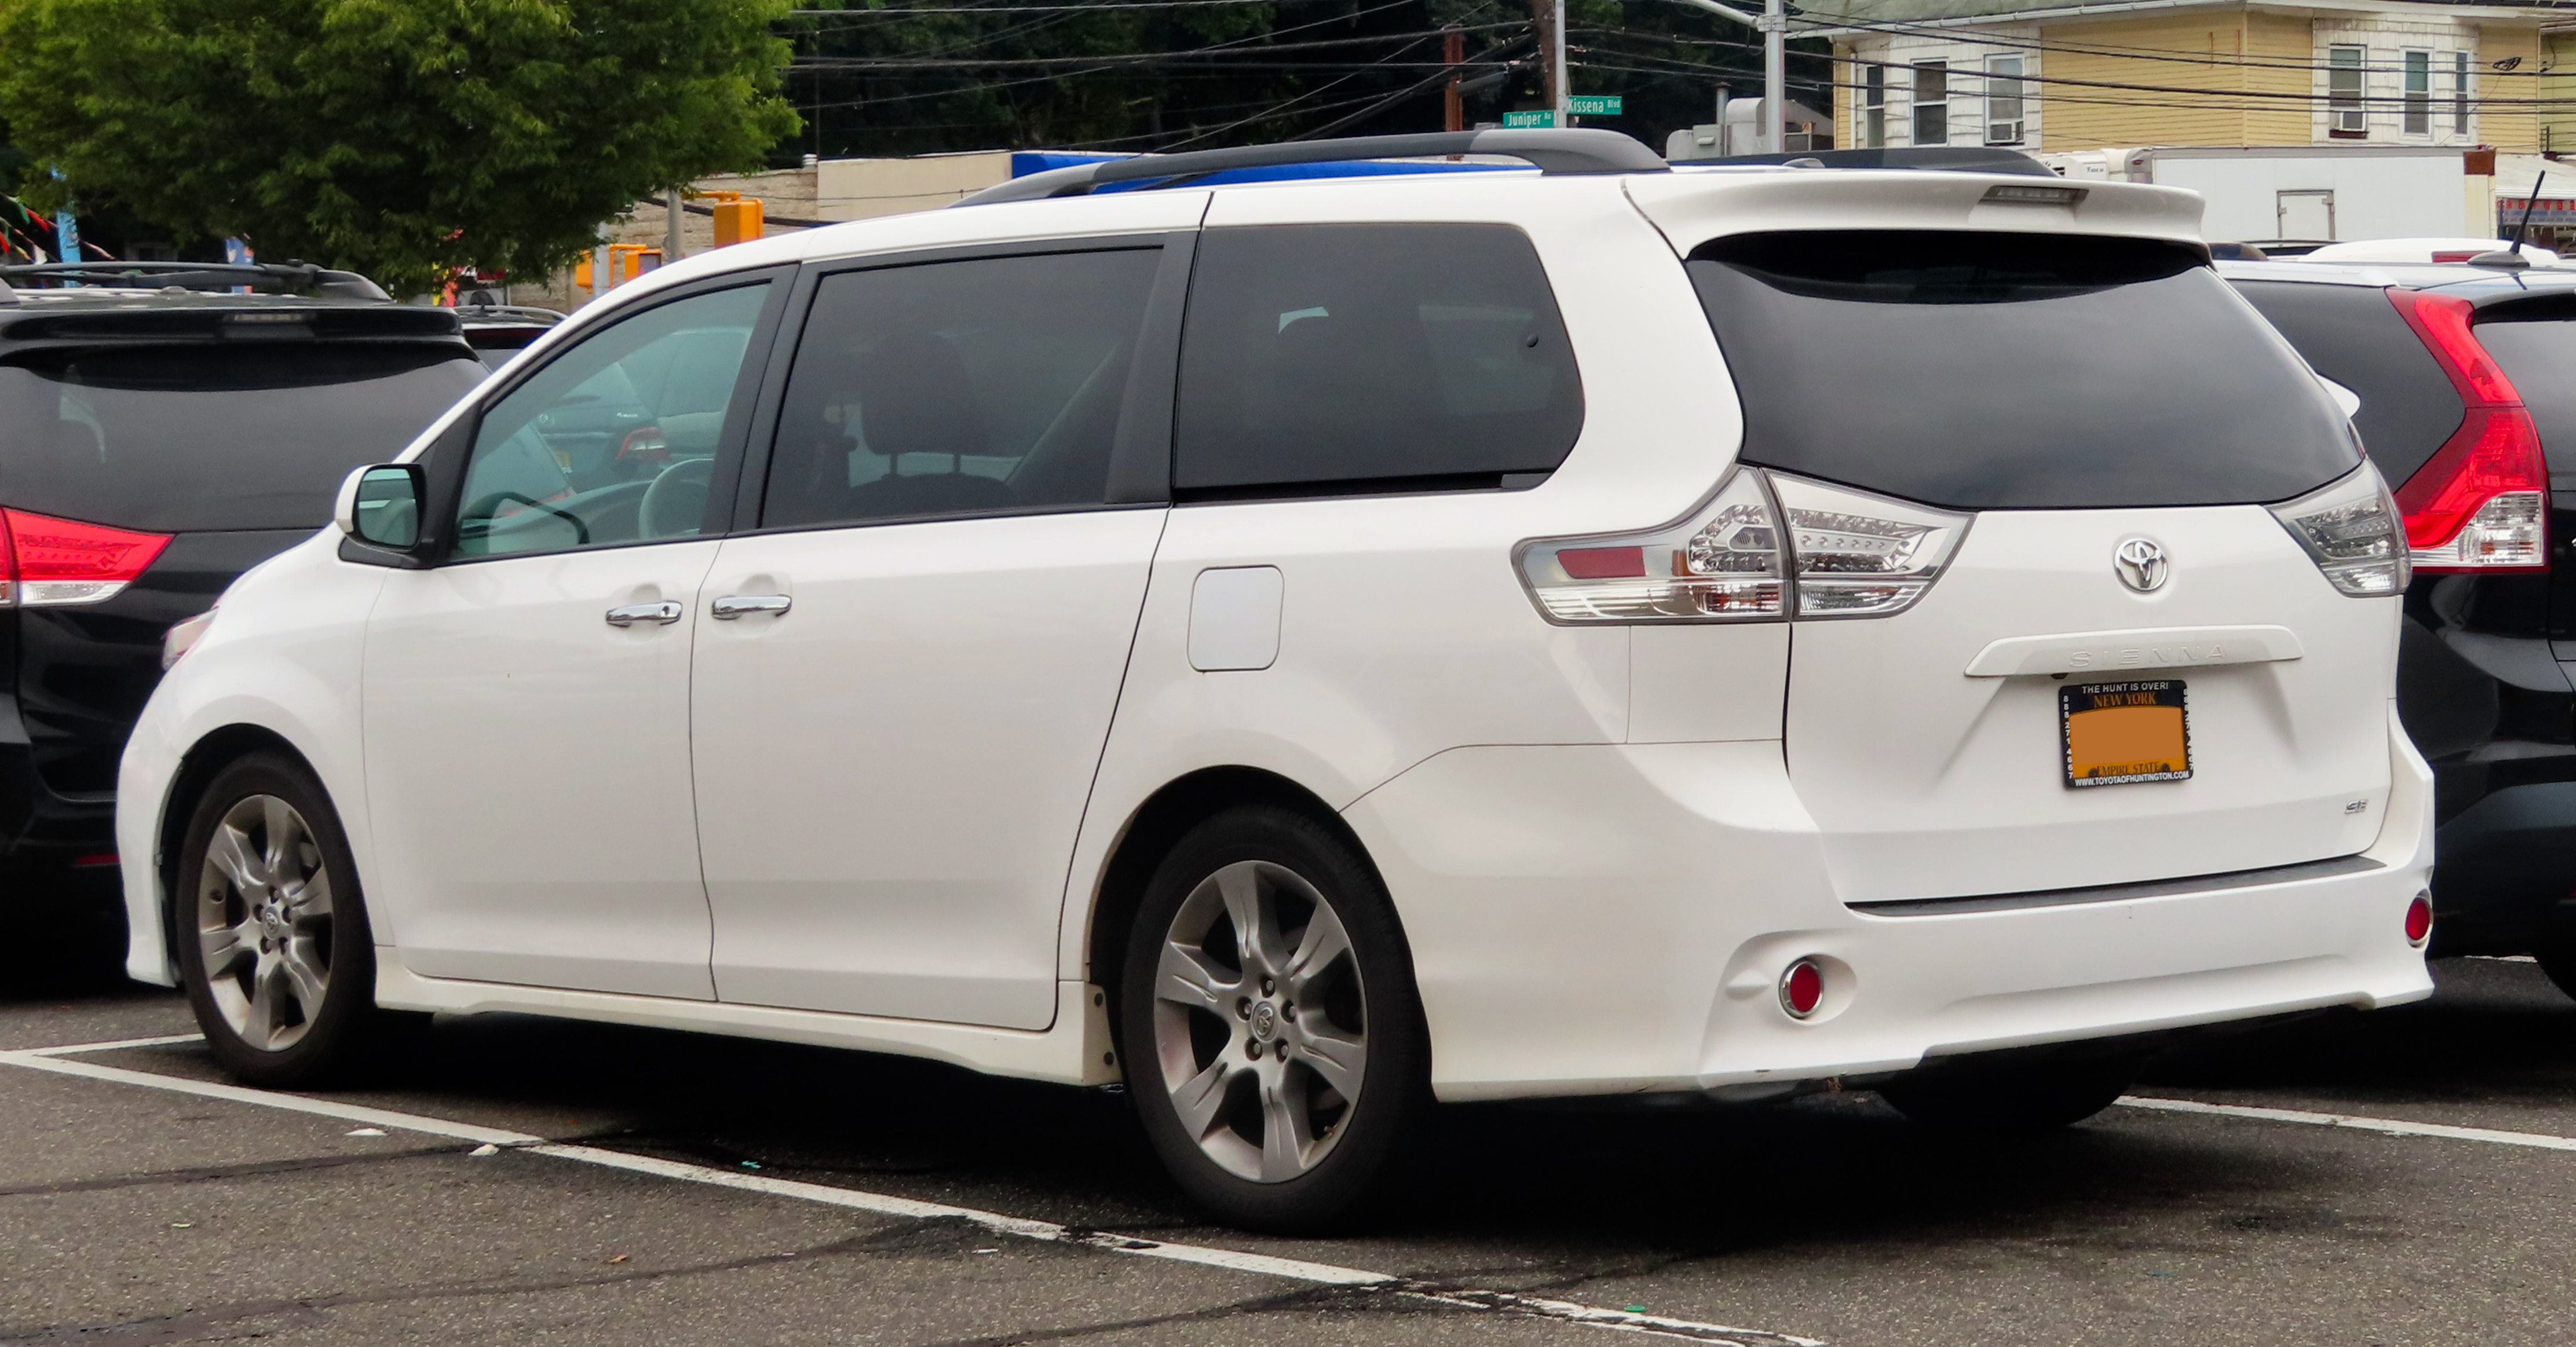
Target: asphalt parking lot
(522,1181)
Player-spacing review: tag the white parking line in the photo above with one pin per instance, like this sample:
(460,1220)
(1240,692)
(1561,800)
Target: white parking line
(57,1061)
(2536,1140)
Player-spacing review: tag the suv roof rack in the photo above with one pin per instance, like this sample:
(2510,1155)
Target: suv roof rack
(1567,150)
(1934,158)
(282,278)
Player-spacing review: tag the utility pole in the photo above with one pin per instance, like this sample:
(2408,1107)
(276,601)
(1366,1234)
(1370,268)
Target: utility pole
(1551,56)
(1773,24)
(1562,96)
(1453,53)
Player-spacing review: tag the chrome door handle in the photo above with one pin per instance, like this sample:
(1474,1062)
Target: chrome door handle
(732,606)
(628,614)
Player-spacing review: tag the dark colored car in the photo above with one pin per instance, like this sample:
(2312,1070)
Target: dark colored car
(161,433)
(2466,378)
(500,331)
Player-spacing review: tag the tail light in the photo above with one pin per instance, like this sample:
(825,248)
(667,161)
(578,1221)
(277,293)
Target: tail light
(52,561)
(2352,530)
(1844,554)
(2481,502)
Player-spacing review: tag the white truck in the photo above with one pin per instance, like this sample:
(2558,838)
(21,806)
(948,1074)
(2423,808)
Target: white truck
(2310,193)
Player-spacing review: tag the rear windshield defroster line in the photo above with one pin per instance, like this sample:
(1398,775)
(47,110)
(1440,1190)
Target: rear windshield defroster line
(1980,370)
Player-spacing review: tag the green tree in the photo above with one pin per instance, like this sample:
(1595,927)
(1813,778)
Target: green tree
(401,138)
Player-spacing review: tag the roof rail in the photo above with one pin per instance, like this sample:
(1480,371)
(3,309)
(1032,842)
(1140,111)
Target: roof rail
(1936,158)
(1570,150)
(273,277)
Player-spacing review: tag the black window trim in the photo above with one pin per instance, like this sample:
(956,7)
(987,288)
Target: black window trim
(1140,459)
(445,461)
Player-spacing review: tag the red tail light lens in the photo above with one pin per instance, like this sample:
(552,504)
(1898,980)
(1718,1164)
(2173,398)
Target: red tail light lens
(2481,502)
(1802,989)
(64,561)
(2419,920)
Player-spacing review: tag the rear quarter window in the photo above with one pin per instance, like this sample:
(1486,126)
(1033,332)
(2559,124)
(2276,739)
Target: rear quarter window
(2013,371)
(2535,342)
(1321,359)
(2354,336)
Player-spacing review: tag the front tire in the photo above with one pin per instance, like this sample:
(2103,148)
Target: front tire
(1273,1041)
(274,946)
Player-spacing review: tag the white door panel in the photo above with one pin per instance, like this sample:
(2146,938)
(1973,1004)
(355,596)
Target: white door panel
(892,772)
(528,769)
(1930,782)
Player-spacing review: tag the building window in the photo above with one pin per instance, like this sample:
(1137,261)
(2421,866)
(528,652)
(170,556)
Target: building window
(2419,93)
(1931,102)
(2345,115)
(1873,102)
(2460,92)
(2003,100)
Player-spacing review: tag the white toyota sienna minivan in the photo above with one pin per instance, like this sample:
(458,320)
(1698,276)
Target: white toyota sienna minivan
(1308,648)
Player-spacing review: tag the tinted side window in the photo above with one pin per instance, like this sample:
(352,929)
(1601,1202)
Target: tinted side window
(615,439)
(2013,371)
(1373,356)
(2354,336)
(975,387)
(2536,345)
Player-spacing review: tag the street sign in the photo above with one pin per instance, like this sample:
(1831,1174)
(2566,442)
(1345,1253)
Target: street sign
(1595,105)
(1517,120)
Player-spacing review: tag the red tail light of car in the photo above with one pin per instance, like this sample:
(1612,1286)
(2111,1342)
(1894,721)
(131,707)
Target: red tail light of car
(2481,503)
(45,562)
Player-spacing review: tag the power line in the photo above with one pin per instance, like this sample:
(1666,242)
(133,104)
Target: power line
(895,63)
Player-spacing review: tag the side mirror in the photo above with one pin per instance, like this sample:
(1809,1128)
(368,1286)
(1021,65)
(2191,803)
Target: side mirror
(379,509)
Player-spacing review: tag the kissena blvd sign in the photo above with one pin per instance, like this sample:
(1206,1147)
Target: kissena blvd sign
(1582,105)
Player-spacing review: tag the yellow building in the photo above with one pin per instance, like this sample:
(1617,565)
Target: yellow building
(2058,76)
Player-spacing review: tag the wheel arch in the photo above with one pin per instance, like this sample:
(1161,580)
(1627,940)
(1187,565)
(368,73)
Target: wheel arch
(209,755)
(1164,817)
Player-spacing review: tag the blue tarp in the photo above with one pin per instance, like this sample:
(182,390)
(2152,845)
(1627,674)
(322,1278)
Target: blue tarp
(1026,162)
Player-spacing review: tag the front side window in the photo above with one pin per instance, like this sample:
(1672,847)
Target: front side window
(2345,115)
(1873,101)
(2460,92)
(2419,93)
(2003,100)
(990,386)
(1931,102)
(1322,359)
(615,439)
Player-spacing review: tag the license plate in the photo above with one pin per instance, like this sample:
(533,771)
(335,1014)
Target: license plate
(2118,734)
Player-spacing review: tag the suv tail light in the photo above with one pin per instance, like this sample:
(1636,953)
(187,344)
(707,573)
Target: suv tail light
(2481,502)
(2352,530)
(46,561)
(1851,555)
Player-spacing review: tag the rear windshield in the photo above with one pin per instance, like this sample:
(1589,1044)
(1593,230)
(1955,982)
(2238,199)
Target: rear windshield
(2013,371)
(2536,344)
(182,439)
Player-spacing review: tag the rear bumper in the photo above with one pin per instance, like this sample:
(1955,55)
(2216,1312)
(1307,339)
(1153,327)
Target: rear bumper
(40,827)
(1615,919)
(2508,864)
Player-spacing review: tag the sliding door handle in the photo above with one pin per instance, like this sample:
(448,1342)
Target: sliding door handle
(732,606)
(628,614)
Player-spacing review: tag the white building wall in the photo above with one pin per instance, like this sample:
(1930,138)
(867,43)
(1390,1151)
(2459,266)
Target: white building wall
(2387,38)
(1967,56)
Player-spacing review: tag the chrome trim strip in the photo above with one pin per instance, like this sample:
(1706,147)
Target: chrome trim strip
(2116,893)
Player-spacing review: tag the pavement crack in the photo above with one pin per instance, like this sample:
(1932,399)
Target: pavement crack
(211,1173)
(901,1240)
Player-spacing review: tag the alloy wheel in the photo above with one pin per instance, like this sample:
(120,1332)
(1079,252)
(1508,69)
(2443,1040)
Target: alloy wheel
(264,922)
(1260,1021)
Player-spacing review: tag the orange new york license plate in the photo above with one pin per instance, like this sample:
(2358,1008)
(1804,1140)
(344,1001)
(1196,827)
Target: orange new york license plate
(2116,734)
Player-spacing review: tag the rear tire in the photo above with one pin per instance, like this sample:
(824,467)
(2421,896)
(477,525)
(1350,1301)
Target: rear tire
(1275,1072)
(274,947)
(2015,1099)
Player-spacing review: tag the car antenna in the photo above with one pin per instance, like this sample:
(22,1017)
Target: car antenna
(2510,256)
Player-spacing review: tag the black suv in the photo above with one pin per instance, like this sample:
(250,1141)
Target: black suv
(2466,377)
(161,431)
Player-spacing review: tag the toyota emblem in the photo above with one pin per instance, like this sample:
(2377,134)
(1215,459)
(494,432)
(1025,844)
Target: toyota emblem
(2141,564)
